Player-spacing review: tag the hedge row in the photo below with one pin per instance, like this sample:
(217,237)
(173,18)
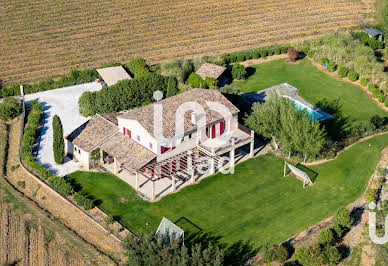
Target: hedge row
(352,75)
(252,54)
(31,132)
(73,78)
(83,201)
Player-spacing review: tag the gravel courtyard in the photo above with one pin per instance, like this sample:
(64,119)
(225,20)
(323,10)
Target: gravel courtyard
(64,103)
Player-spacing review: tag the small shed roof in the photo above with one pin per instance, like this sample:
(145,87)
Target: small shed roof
(111,75)
(210,70)
(373,32)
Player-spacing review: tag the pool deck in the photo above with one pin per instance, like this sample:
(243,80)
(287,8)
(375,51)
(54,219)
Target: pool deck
(283,90)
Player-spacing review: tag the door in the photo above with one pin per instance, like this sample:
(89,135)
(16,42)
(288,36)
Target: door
(222,127)
(213,131)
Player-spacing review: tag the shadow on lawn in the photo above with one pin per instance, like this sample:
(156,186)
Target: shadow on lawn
(338,127)
(234,254)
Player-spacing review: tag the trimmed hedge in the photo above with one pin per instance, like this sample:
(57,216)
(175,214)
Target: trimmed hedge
(352,75)
(239,71)
(58,141)
(138,67)
(73,78)
(31,132)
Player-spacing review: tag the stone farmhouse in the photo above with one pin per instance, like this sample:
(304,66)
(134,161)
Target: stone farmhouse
(128,143)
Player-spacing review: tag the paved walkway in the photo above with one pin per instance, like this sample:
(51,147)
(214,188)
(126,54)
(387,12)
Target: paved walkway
(64,103)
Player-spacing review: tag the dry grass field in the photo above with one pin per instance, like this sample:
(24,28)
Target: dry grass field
(42,38)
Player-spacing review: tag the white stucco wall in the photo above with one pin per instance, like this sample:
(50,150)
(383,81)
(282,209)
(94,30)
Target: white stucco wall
(82,157)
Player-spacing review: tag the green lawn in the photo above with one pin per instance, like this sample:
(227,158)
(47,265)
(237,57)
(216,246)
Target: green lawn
(347,101)
(256,203)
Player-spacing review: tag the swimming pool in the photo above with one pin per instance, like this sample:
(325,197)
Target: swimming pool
(313,112)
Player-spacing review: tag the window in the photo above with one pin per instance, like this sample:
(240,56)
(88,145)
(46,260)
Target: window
(162,149)
(128,133)
(190,135)
(150,145)
(138,138)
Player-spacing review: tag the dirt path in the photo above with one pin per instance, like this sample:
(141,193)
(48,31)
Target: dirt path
(51,201)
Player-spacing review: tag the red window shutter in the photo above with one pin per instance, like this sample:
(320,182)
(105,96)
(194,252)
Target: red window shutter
(222,127)
(162,149)
(138,138)
(129,133)
(150,145)
(213,131)
(124,130)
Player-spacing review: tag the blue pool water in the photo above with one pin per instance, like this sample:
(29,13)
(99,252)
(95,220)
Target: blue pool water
(311,114)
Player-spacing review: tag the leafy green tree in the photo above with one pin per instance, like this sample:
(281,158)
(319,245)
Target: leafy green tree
(309,256)
(138,67)
(171,87)
(10,108)
(58,141)
(145,250)
(342,218)
(211,83)
(331,255)
(196,81)
(87,103)
(326,237)
(279,120)
(239,71)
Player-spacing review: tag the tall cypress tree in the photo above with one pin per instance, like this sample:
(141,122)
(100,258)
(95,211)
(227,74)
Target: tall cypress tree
(58,141)
(171,86)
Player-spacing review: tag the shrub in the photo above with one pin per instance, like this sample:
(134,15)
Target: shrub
(171,87)
(60,185)
(22,184)
(255,54)
(331,255)
(280,253)
(108,220)
(284,49)
(352,75)
(138,67)
(87,103)
(363,81)
(58,141)
(326,237)
(211,83)
(10,108)
(323,61)
(83,201)
(239,71)
(371,87)
(331,66)
(386,102)
(342,218)
(380,96)
(263,53)
(196,81)
(276,51)
(342,71)
(180,69)
(378,121)
(338,230)
(292,54)
(309,255)
(95,154)
(371,195)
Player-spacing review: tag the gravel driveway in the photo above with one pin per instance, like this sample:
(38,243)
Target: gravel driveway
(64,103)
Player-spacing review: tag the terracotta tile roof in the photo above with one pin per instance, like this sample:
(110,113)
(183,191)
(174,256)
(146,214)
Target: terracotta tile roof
(210,70)
(92,133)
(127,151)
(145,115)
(112,117)
(112,75)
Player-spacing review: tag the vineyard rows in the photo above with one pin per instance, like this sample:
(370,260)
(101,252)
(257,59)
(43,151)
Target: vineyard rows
(48,38)
(26,244)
